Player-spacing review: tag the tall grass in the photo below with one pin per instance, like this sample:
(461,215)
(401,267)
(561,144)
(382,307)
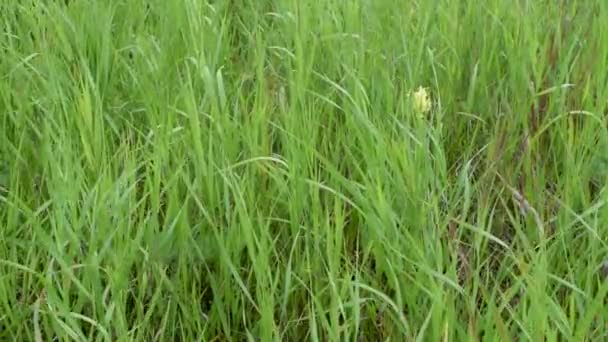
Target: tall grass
(258,170)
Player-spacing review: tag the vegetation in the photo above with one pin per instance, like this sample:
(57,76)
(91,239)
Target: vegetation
(303,170)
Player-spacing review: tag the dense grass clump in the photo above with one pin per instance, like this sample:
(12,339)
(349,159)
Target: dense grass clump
(303,170)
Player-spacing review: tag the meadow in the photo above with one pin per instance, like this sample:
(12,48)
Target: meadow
(264,170)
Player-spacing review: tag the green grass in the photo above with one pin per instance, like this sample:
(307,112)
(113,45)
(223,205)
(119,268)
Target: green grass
(257,170)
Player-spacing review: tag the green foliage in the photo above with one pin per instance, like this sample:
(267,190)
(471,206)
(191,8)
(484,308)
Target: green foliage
(262,170)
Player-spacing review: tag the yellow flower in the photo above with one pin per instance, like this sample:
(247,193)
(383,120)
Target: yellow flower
(422,100)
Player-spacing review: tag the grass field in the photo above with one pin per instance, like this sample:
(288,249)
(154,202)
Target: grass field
(303,170)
